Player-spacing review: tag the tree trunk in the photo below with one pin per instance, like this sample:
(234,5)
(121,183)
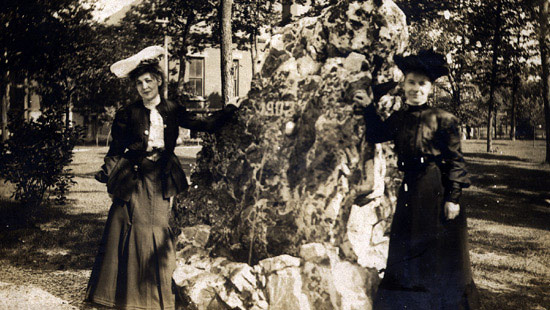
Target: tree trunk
(544,54)
(86,122)
(68,111)
(92,124)
(226,47)
(183,59)
(181,76)
(108,136)
(496,45)
(489,128)
(515,85)
(495,116)
(455,92)
(96,133)
(253,54)
(253,40)
(5,108)
(165,65)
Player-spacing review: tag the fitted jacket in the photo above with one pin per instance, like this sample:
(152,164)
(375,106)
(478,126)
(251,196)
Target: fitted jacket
(130,132)
(422,136)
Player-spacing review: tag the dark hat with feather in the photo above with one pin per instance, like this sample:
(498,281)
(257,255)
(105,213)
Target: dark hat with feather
(427,62)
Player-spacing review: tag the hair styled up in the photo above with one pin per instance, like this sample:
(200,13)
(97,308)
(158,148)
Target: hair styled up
(147,67)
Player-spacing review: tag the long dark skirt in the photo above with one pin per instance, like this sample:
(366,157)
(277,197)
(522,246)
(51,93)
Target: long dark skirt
(428,263)
(136,258)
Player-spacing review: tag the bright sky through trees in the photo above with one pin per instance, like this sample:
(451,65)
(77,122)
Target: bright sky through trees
(106,8)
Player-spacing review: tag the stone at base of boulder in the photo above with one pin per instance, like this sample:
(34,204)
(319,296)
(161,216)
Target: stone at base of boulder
(284,290)
(277,263)
(319,280)
(196,235)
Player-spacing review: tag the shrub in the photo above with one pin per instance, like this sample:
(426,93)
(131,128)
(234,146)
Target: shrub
(35,157)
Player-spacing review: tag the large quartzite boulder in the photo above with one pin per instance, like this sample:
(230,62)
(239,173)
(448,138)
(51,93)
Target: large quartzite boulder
(290,185)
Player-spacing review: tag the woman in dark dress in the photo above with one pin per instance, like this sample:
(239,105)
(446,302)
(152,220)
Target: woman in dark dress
(428,264)
(136,257)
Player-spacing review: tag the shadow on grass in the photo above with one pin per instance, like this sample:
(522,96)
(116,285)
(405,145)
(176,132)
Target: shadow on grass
(88,175)
(493,156)
(519,297)
(56,240)
(508,194)
(511,191)
(88,191)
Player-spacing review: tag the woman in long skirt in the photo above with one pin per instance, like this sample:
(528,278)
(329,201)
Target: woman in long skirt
(428,264)
(136,257)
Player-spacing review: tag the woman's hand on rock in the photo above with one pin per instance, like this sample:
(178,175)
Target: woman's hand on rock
(451,210)
(361,98)
(236,101)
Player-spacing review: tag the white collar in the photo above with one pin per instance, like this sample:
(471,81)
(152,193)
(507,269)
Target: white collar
(153,103)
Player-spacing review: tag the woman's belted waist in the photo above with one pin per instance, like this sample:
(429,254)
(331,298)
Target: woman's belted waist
(123,178)
(137,156)
(419,163)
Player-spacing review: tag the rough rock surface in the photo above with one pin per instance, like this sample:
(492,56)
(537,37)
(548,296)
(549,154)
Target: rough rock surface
(318,279)
(296,187)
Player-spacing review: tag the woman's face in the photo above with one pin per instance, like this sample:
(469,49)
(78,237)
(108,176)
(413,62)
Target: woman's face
(147,86)
(417,87)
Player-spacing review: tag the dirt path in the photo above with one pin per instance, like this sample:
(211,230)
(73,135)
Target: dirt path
(67,285)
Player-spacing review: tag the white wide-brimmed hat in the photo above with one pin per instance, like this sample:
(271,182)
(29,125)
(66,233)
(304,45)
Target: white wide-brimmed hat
(123,67)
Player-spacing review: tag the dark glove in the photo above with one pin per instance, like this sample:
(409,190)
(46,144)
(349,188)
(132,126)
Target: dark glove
(101,176)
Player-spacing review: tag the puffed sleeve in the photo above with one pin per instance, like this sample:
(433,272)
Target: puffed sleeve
(455,173)
(209,124)
(376,129)
(117,147)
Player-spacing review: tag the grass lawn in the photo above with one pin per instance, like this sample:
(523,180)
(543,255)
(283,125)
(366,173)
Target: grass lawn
(508,206)
(509,223)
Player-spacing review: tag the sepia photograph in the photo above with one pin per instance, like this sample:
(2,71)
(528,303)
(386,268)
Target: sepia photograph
(275,155)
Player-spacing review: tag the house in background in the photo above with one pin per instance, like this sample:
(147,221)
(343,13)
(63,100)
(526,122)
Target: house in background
(202,77)
(25,101)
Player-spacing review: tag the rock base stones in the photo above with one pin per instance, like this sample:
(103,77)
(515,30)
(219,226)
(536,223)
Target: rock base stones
(317,279)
